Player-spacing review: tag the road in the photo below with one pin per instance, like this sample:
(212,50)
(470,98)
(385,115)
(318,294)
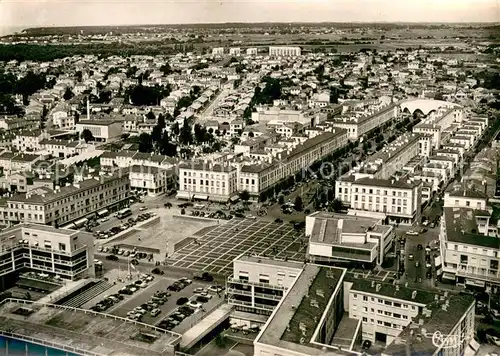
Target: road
(413,273)
(208,112)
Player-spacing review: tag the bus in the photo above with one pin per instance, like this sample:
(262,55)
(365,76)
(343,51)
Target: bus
(124,213)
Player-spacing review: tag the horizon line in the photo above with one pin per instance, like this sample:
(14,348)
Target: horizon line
(256,23)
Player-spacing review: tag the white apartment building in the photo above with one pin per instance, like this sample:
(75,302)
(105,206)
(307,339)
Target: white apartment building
(359,124)
(258,283)
(252,51)
(256,178)
(71,203)
(284,51)
(397,316)
(344,238)
(397,200)
(234,51)
(152,180)
(60,148)
(101,130)
(44,249)
(29,140)
(470,248)
(218,51)
(207,181)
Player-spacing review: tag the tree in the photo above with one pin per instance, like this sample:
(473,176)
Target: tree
(176,129)
(281,200)
(251,134)
(150,116)
(145,143)
(245,196)
(298,204)
(186,134)
(337,205)
(87,135)
(165,69)
(166,147)
(68,94)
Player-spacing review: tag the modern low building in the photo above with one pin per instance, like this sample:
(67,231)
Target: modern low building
(39,328)
(102,130)
(336,238)
(45,249)
(258,283)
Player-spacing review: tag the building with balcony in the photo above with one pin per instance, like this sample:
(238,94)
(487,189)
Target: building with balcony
(335,238)
(470,247)
(67,204)
(405,319)
(258,283)
(45,249)
(310,318)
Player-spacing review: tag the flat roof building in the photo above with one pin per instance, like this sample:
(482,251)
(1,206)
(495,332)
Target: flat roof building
(82,332)
(45,249)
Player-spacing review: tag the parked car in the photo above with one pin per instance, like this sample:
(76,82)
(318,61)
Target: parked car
(194,304)
(205,276)
(216,289)
(412,233)
(112,258)
(155,312)
(417,264)
(420,247)
(143,208)
(410,257)
(366,344)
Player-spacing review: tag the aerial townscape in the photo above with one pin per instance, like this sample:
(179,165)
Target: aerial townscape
(250,189)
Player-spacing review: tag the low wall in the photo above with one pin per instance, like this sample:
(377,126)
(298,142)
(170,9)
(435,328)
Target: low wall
(124,234)
(199,218)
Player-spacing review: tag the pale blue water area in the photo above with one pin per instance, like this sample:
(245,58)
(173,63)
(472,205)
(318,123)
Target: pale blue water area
(22,348)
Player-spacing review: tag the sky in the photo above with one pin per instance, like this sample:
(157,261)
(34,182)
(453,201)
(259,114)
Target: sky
(34,13)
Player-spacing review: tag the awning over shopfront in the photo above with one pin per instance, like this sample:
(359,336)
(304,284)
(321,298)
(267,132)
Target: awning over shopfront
(80,222)
(450,276)
(234,198)
(183,195)
(201,197)
(475,282)
(103,212)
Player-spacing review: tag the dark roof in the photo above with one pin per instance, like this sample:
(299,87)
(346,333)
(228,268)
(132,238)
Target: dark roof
(197,166)
(387,183)
(390,290)
(461,227)
(96,122)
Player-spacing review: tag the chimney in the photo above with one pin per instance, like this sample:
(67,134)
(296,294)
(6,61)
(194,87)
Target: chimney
(88,109)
